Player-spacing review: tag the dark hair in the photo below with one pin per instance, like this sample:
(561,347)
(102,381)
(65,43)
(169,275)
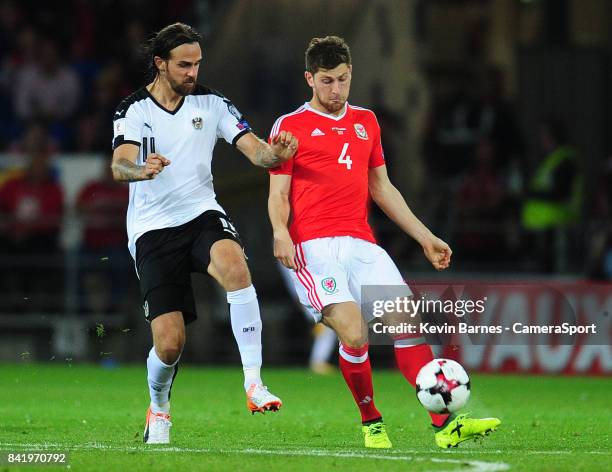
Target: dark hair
(165,40)
(327,53)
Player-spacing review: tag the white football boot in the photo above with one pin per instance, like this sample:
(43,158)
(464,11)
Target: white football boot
(157,428)
(259,399)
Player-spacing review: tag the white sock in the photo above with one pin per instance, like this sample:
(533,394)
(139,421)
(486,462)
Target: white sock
(323,346)
(159,378)
(246,325)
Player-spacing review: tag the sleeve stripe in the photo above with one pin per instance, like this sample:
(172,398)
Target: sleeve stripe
(240,135)
(361,108)
(119,141)
(278,122)
(275,127)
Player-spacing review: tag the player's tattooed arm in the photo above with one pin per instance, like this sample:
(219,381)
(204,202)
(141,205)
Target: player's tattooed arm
(283,147)
(265,158)
(125,169)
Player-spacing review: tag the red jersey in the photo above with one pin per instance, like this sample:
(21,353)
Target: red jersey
(32,208)
(101,202)
(329,173)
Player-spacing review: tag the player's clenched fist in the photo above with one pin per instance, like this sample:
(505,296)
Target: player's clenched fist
(284,145)
(154,165)
(438,253)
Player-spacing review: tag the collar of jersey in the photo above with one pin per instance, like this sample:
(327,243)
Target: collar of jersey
(178,107)
(328,115)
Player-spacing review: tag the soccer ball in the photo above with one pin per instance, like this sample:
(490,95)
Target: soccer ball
(443,386)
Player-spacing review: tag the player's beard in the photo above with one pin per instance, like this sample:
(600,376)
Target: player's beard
(333,106)
(184,88)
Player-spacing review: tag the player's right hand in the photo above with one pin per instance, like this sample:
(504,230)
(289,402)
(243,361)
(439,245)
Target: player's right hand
(284,250)
(154,165)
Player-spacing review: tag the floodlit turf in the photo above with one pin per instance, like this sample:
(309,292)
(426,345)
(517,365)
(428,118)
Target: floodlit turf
(97,415)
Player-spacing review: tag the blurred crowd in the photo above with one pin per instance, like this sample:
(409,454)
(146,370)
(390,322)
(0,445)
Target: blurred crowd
(69,65)
(34,268)
(63,72)
(502,208)
(496,203)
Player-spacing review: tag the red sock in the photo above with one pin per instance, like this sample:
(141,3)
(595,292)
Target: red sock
(357,372)
(410,359)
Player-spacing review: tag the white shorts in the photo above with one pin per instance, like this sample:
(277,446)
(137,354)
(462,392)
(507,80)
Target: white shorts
(333,270)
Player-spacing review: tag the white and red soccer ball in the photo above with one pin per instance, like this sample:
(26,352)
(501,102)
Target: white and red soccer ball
(443,386)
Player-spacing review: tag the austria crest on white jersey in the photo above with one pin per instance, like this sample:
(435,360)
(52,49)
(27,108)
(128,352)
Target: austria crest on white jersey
(187,137)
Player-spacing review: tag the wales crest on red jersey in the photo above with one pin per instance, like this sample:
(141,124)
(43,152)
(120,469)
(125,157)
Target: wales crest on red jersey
(361,131)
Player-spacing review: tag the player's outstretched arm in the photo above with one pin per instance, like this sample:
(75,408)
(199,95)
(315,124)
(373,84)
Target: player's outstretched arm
(283,147)
(278,210)
(124,165)
(391,201)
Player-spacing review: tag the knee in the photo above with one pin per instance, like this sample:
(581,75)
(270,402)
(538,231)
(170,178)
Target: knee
(236,276)
(354,340)
(352,335)
(169,348)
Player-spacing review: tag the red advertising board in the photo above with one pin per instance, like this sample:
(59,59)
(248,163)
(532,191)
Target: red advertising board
(536,304)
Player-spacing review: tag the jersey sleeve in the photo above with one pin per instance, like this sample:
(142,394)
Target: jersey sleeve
(127,126)
(232,124)
(377,156)
(286,168)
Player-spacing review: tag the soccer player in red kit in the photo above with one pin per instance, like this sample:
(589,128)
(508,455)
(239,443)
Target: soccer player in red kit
(318,210)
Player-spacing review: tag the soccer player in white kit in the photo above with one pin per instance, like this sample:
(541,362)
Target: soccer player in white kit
(318,210)
(164,135)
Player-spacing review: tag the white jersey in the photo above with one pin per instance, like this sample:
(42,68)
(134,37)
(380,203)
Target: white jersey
(186,136)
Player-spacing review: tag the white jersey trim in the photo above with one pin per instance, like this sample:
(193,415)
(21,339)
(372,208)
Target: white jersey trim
(328,115)
(354,107)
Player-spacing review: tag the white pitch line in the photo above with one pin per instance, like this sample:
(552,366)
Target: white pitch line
(476,466)
(498,451)
(198,450)
(479,466)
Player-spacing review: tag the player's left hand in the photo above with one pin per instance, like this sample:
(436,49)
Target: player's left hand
(438,253)
(284,145)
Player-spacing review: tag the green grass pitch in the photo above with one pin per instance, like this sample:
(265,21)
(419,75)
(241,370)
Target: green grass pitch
(97,414)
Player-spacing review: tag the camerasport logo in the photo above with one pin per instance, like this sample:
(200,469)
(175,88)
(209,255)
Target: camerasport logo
(329,285)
